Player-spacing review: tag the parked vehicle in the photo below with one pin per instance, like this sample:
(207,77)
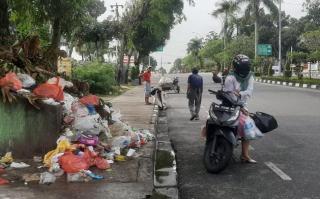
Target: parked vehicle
(167,84)
(221,129)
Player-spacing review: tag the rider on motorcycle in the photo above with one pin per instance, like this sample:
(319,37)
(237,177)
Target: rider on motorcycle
(240,82)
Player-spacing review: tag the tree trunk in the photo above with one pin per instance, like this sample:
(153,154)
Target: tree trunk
(121,71)
(256,31)
(55,42)
(70,50)
(4,22)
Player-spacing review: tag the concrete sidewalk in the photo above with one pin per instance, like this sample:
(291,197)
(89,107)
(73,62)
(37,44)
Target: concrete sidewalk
(130,179)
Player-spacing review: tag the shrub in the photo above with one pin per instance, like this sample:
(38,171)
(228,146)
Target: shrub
(100,76)
(135,72)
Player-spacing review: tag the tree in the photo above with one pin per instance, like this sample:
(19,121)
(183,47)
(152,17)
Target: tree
(153,62)
(313,8)
(253,9)
(194,47)
(311,40)
(4,21)
(227,8)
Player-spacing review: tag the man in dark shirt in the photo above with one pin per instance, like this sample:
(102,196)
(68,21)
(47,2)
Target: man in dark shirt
(194,93)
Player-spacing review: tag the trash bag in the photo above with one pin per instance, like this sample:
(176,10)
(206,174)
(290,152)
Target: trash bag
(90,123)
(71,163)
(47,90)
(79,110)
(90,140)
(27,80)
(60,81)
(264,122)
(121,142)
(67,102)
(12,81)
(47,178)
(249,129)
(101,163)
(90,100)
(118,128)
(63,145)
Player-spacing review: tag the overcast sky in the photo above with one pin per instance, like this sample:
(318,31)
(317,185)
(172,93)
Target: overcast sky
(198,24)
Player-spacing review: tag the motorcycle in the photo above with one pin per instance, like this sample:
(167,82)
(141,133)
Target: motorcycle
(172,85)
(221,131)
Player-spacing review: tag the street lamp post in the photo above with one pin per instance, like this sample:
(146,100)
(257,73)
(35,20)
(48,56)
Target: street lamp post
(280,38)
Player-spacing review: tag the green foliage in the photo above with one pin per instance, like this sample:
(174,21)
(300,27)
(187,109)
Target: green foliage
(294,80)
(101,77)
(135,72)
(311,40)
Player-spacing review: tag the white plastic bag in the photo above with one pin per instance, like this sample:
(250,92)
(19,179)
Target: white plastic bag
(62,82)
(27,80)
(90,123)
(79,110)
(251,132)
(67,102)
(121,142)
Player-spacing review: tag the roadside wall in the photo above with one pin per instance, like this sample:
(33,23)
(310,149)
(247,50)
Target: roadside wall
(27,131)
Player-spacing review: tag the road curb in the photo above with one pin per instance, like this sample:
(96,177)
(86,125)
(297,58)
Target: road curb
(289,84)
(165,175)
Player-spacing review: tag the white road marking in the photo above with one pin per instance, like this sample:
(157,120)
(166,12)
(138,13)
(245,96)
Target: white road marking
(251,148)
(278,171)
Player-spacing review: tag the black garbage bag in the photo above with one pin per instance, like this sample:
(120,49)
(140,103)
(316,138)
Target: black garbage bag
(216,79)
(264,122)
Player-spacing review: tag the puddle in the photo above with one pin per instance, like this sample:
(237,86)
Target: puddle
(165,169)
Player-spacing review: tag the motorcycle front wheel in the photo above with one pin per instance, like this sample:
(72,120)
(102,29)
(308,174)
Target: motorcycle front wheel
(216,160)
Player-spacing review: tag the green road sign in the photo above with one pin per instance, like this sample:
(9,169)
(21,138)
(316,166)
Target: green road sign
(159,49)
(264,49)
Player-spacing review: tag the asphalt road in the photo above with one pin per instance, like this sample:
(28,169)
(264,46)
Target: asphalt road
(293,148)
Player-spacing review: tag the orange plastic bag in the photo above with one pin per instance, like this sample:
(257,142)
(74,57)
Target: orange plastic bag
(71,163)
(50,91)
(12,81)
(101,163)
(90,100)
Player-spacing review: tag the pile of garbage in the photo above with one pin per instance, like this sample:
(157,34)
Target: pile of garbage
(93,134)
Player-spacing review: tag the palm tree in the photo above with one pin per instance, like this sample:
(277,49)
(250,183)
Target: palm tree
(227,9)
(253,9)
(194,47)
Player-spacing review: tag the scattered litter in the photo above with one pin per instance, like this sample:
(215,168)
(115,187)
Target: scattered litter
(31,177)
(7,158)
(3,181)
(92,175)
(37,158)
(120,158)
(47,178)
(131,152)
(78,177)
(19,165)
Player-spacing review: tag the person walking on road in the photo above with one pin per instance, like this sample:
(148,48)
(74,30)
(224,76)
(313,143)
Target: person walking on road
(240,82)
(194,93)
(146,77)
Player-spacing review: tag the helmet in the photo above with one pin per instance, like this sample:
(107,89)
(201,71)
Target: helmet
(241,64)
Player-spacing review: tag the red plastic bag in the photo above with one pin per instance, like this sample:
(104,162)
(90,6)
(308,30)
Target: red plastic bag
(12,81)
(101,163)
(93,159)
(71,163)
(50,91)
(3,181)
(90,100)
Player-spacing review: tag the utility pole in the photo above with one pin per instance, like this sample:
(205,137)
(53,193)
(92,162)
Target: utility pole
(115,8)
(280,37)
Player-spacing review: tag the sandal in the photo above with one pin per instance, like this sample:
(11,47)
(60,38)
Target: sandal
(248,161)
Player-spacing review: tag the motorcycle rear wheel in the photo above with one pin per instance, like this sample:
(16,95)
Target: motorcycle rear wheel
(217,162)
